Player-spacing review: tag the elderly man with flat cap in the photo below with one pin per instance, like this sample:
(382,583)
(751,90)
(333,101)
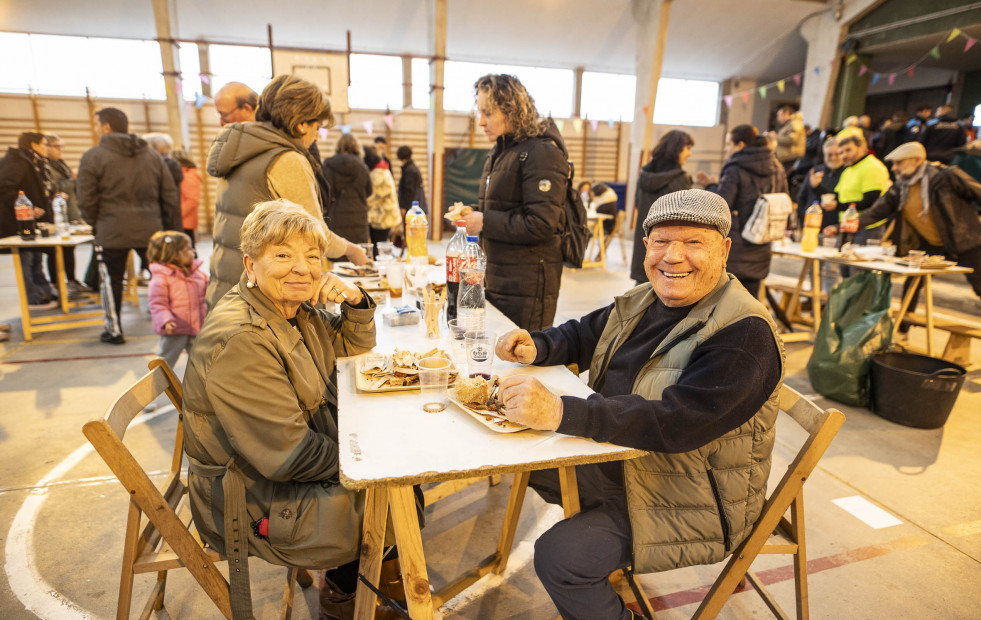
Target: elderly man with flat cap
(686,367)
(934,207)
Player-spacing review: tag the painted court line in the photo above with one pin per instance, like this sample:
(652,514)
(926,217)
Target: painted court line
(866,512)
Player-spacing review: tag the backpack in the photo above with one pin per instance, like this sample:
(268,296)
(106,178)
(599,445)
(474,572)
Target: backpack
(768,221)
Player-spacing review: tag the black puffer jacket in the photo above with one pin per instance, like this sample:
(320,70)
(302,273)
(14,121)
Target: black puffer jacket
(126,192)
(748,173)
(650,187)
(522,196)
(350,185)
(940,137)
(18,174)
(410,187)
(953,195)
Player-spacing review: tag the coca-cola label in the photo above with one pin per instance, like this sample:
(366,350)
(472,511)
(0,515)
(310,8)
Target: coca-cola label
(453,268)
(24,212)
(849,226)
(813,220)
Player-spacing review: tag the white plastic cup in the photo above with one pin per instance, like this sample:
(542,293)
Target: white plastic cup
(434,379)
(396,279)
(480,353)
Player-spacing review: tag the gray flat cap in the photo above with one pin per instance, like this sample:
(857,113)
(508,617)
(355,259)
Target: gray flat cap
(690,205)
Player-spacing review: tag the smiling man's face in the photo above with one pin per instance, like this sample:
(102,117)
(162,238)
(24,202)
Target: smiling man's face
(684,261)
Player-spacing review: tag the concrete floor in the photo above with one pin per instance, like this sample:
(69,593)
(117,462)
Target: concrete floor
(63,515)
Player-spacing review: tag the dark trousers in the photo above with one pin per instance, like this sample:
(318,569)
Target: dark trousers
(190,232)
(377,235)
(575,558)
(115,259)
(69,255)
(970,258)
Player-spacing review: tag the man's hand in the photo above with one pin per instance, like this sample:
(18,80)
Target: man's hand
(530,403)
(38,213)
(517,346)
(356,254)
(815,177)
(703,179)
(830,231)
(475,222)
(169,327)
(332,288)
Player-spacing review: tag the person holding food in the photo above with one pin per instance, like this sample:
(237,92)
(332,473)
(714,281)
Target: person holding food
(260,408)
(687,366)
(522,203)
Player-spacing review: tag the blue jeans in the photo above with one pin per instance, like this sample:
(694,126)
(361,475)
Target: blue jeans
(37,287)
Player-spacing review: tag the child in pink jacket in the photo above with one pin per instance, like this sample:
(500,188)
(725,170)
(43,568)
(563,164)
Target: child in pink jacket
(177,290)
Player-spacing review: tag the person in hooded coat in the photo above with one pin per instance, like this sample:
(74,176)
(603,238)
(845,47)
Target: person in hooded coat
(662,175)
(262,161)
(750,170)
(350,182)
(521,212)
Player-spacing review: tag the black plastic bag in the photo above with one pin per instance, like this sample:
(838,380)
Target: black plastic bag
(854,325)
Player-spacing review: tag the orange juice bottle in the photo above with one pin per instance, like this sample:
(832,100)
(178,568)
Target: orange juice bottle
(812,227)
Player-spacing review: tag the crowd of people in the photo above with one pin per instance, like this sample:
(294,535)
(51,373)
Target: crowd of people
(261,435)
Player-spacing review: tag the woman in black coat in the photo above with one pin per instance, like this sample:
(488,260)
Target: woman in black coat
(662,175)
(751,170)
(350,184)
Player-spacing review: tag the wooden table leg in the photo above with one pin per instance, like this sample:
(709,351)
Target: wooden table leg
(412,559)
(816,295)
(518,488)
(372,547)
(904,306)
(793,306)
(60,268)
(25,312)
(570,490)
(928,285)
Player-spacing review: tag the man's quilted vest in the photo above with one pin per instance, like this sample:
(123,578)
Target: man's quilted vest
(694,507)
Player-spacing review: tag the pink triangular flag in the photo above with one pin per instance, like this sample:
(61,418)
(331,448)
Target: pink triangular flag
(863,71)
(205,79)
(892,78)
(728,99)
(594,125)
(970,43)
(323,133)
(369,126)
(389,120)
(797,79)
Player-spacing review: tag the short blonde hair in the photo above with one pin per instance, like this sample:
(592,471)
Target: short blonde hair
(287,101)
(276,221)
(507,94)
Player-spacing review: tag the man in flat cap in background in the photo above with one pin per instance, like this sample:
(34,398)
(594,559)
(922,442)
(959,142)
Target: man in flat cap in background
(934,209)
(686,367)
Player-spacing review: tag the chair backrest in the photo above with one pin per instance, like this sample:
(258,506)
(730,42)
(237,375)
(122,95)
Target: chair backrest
(159,504)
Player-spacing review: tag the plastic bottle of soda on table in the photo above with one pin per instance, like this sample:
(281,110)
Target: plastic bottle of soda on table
(416,231)
(812,227)
(60,207)
(24,211)
(454,254)
(471,305)
(849,224)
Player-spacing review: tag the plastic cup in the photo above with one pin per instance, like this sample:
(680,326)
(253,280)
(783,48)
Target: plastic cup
(915,258)
(369,251)
(434,378)
(889,251)
(480,353)
(828,199)
(396,277)
(829,242)
(430,315)
(457,334)
(385,248)
(873,242)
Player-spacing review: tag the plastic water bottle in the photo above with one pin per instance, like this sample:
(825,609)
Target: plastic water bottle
(812,227)
(24,211)
(60,207)
(454,254)
(471,305)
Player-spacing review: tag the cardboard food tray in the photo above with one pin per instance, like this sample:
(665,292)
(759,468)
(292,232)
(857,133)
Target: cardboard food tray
(363,384)
(492,420)
(935,265)
(350,270)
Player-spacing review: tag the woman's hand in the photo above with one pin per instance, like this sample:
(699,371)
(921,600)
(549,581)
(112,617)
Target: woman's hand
(356,254)
(815,177)
(475,222)
(830,231)
(332,288)
(703,179)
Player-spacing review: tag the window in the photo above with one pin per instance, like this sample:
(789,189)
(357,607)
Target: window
(687,102)
(376,82)
(190,70)
(550,88)
(238,63)
(608,96)
(420,83)
(18,67)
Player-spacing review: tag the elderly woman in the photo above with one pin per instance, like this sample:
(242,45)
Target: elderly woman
(260,403)
(263,161)
(522,203)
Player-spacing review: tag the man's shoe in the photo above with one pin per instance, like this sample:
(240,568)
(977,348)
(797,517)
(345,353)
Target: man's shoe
(5,327)
(110,339)
(335,604)
(77,288)
(44,305)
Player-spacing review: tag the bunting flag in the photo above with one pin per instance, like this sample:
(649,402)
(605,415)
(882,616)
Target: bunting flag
(781,85)
(910,71)
(935,52)
(577,124)
(594,125)
(389,120)
(205,78)
(970,43)
(647,111)
(728,99)
(851,58)
(611,123)
(875,78)
(862,70)
(199,100)
(817,70)
(762,91)
(369,127)
(323,133)
(561,123)
(956,32)
(745,95)
(892,78)
(797,78)
(345,129)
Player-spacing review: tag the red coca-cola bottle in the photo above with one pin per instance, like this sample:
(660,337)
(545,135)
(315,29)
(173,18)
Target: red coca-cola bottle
(26,226)
(454,252)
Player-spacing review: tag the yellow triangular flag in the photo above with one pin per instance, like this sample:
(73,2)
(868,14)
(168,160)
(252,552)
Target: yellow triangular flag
(781,84)
(851,58)
(956,32)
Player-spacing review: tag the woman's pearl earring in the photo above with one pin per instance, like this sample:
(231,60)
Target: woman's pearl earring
(249,284)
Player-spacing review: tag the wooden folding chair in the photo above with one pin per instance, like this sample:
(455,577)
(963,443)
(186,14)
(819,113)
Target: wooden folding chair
(787,536)
(618,233)
(167,539)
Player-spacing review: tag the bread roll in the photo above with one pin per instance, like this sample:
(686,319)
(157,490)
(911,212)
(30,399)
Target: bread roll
(473,391)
